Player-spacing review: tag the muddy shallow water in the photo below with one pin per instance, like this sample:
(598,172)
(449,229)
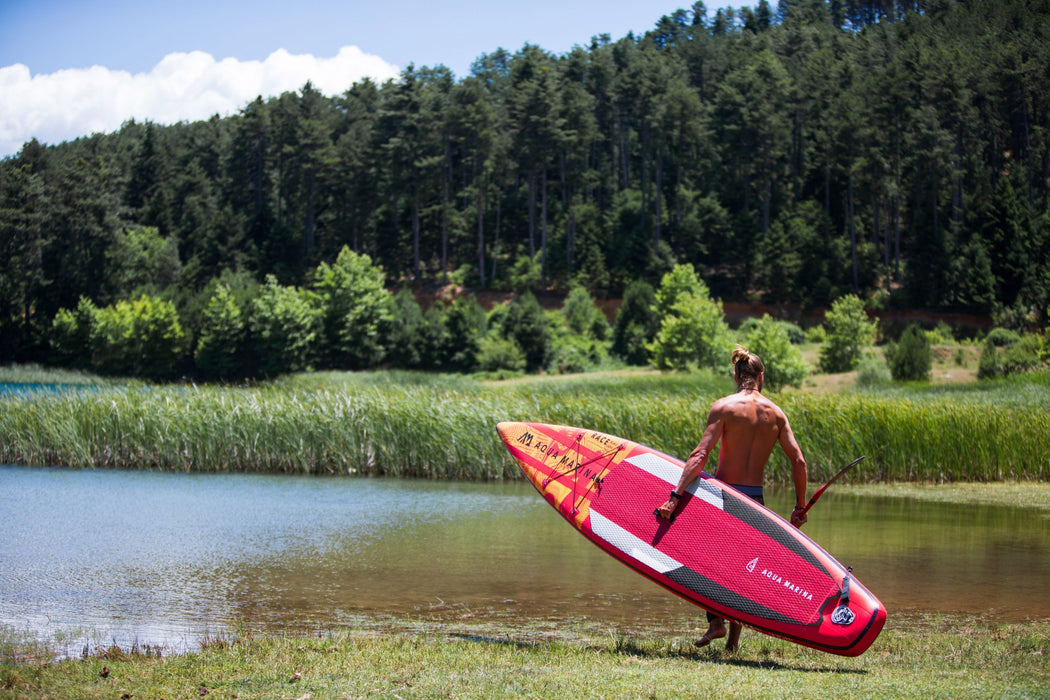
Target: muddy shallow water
(170,559)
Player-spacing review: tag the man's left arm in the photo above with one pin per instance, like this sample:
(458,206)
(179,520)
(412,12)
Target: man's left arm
(799,472)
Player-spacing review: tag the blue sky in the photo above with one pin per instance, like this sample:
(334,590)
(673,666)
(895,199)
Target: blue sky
(69,68)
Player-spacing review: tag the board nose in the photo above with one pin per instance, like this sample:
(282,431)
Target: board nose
(506,428)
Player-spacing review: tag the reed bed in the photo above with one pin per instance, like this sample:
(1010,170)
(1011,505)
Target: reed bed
(435,427)
(924,440)
(410,432)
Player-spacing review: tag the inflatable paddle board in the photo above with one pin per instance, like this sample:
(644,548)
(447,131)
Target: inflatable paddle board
(723,551)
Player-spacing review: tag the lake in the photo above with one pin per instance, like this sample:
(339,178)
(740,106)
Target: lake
(170,559)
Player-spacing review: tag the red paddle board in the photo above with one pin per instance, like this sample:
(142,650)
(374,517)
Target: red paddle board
(723,551)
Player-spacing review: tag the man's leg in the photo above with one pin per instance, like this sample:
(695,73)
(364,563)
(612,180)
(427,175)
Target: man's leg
(716,629)
(733,643)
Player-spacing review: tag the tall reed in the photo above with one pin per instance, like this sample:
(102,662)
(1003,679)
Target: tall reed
(406,425)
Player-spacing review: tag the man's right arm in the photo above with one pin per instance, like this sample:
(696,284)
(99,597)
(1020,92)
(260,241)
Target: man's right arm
(697,460)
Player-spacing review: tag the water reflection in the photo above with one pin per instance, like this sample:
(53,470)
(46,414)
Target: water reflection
(926,556)
(165,558)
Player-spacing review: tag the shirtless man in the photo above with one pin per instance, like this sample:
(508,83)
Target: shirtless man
(749,426)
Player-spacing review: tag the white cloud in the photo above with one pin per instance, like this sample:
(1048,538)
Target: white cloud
(66,104)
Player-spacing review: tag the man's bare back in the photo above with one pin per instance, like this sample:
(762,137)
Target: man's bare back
(749,426)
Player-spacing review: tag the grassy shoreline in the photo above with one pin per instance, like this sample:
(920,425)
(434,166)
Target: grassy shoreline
(1012,494)
(918,657)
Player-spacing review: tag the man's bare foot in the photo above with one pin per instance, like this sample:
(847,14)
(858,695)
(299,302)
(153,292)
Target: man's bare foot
(716,630)
(733,643)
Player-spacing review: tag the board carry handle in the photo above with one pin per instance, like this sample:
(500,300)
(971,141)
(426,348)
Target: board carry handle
(842,615)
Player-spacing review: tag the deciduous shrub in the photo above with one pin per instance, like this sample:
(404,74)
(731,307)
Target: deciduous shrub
(795,334)
(140,338)
(1024,355)
(1003,337)
(872,371)
(356,307)
(680,281)
(693,331)
(497,353)
(816,334)
(769,339)
(849,332)
(286,328)
(693,334)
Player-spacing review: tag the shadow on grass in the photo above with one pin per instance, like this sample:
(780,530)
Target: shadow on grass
(500,641)
(626,646)
(629,647)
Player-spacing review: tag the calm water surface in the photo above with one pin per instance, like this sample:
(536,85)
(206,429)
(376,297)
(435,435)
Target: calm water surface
(168,559)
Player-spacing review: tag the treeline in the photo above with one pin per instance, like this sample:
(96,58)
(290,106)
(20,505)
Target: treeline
(346,318)
(898,151)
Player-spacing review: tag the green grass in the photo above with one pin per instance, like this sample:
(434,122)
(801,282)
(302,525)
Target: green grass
(941,657)
(1028,391)
(440,426)
(1010,494)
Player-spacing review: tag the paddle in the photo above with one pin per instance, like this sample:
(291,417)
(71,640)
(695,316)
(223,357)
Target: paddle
(820,491)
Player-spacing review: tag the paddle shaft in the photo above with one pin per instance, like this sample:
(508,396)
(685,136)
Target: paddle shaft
(820,491)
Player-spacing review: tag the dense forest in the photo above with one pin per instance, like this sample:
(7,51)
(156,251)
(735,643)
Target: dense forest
(898,151)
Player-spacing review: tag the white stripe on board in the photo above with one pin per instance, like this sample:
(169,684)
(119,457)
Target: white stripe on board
(657,466)
(671,473)
(630,545)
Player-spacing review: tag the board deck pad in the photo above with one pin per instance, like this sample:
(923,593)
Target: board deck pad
(723,551)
